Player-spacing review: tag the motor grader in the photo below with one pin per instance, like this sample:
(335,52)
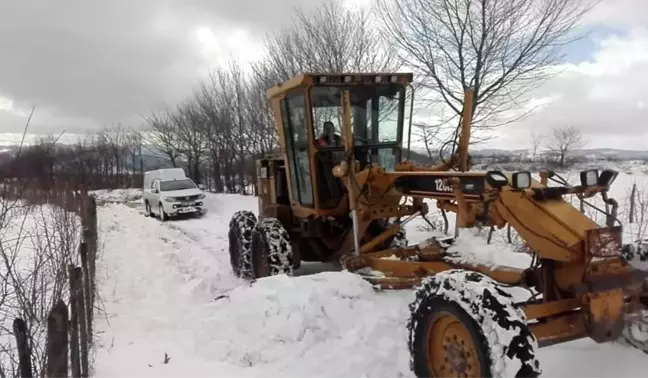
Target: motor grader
(339,190)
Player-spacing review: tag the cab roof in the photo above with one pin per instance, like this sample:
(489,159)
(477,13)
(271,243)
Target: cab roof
(340,78)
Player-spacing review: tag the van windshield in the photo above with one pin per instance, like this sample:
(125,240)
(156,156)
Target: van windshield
(166,186)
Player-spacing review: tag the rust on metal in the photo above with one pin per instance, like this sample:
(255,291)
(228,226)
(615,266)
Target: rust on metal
(604,242)
(604,319)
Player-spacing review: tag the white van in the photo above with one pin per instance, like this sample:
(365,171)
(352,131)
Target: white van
(169,192)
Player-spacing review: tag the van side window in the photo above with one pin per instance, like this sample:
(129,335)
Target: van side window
(153,184)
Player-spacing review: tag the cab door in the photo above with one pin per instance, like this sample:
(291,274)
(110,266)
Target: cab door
(295,125)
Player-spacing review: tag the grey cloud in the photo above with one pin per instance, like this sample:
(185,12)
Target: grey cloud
(258,15)
(619,12)
(599,105)
(110,60)
(87,63)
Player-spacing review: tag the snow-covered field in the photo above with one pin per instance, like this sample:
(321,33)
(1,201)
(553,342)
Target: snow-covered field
(167,290)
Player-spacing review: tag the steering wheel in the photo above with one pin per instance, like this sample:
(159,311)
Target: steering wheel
(358,140)
(449,144)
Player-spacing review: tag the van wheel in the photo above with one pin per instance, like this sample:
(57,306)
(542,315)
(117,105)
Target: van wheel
(147,209)
(163,215)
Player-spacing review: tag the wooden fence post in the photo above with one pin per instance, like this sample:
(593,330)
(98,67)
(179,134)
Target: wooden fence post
(74,323)
(93,244)
(81,318)
(57,341)
(87,288)
(24,352)
(70,201)
(633,195)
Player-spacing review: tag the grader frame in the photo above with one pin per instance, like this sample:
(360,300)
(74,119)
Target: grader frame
(583,287)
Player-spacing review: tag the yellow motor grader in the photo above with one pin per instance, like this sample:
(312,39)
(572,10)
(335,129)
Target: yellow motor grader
(339,190)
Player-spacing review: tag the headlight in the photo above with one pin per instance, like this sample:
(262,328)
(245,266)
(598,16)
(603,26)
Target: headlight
(169,199)
(496,179)
(201,196)
(589,177)
(521,180)
(607,177)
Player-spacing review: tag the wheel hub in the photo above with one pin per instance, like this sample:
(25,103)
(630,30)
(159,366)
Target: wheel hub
(456,357)
(452,352)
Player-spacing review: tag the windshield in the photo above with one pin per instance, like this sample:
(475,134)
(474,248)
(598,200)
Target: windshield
(166,186)
(376,114)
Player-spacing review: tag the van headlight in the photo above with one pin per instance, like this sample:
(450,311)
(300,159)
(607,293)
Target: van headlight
(201,196)
(169,199)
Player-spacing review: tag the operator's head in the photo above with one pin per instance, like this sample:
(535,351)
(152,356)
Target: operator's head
(328,128)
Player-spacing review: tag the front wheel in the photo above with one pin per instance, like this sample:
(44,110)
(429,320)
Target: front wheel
(463,325)
(163,215)
(271,249)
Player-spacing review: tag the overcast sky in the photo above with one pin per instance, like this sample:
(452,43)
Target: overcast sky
(84,64)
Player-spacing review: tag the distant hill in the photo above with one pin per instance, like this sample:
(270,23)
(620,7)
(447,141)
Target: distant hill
(592,152)
(153,160)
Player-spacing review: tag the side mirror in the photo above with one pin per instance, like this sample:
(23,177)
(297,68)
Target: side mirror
(496,179)
(589,177)
(521,180)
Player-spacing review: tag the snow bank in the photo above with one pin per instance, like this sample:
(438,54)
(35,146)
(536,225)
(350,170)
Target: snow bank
(159,283)
(320,318)
(117,195)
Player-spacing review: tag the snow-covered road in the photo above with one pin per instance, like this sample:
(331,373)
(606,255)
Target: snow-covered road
(167,288)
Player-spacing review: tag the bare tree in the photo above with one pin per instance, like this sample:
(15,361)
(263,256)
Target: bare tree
(134,145)
(332,38)
(564,140)
(501,48)
(163,135)
(187,122)
(536,141)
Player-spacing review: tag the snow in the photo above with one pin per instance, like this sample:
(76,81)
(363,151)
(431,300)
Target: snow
(159,284)
(117,195)
(168,288)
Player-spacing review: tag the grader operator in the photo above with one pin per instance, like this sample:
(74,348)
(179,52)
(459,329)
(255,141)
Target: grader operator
(348,203)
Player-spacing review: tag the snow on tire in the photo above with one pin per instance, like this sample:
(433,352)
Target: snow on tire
(400,239)
(240,243)
(271,249)
(497,328)
(635,333)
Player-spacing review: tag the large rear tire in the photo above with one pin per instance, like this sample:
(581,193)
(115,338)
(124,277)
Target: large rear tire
(240,243)
(463,324)
(271,249)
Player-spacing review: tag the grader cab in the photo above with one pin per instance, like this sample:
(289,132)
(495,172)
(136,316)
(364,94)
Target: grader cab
(339,191)
(297,186)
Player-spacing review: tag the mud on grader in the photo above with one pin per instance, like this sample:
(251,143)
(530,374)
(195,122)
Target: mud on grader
(348,199)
